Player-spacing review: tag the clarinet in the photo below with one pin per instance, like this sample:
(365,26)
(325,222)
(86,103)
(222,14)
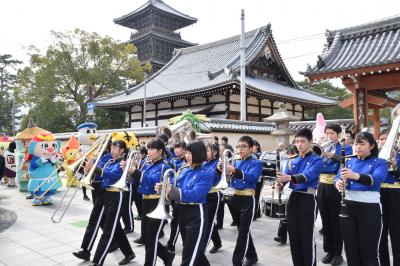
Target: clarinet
(343,209)
(278,169)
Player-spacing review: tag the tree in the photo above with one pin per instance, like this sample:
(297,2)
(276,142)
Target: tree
(7,80)
(326,89)
(74,61)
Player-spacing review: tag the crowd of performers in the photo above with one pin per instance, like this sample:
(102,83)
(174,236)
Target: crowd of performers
(355,192)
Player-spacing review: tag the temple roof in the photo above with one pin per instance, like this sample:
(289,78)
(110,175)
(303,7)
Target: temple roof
(367,45)
(202,68)
(157,4)
(226,125)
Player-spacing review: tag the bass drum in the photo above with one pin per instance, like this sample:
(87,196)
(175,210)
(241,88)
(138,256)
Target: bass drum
(273,207)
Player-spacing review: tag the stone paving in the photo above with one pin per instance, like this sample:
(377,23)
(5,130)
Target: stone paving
(35,240)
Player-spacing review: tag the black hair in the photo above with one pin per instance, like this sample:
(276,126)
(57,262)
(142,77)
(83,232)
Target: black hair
(334,127)
(366,136)
(249,140)
(225,138)
(384,132)
(180,144)
(257,144)
(143,150)
(122,145)
(198,150)
(12,146)
(292,149)
(157,143)
(214,148)
(163,137)
(216,138)
(305,133)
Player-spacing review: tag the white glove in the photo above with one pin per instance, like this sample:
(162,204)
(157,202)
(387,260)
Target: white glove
(44,160)
(53,159)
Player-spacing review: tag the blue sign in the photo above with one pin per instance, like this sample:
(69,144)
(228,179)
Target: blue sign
(90,108)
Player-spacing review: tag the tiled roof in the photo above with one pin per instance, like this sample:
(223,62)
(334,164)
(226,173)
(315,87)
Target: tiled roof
(158,4)
(367,45)
(225,125)
(206,67)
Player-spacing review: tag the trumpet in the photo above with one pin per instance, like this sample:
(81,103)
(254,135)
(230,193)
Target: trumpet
(120,185)
(223,184)
(160,212)
(94,151)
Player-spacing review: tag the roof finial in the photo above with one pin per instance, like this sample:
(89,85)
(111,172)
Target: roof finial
(31,124)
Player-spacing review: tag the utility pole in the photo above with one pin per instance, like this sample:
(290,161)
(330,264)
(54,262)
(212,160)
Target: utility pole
(144,101)
(243,101)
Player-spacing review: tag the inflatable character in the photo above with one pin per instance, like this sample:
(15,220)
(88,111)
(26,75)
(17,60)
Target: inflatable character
(70,154)
(10,167)
(319,130)
(43,156)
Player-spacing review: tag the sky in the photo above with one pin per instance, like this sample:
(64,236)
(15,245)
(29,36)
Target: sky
(27,22)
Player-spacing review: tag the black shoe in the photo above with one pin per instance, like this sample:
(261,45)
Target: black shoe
(138,218)
(94,264)
(249,262)
(139,241)
(161,234)
(82,254)
(219,226)
(127,259)
(215,249)
(337,260)
(170,259)
(280,240)
(327,258)
(128,230)
(29,196)
(233,224)
(113,247)
(85,197)
(171,248)
(321,231)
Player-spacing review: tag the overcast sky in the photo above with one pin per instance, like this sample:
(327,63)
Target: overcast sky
(27,22)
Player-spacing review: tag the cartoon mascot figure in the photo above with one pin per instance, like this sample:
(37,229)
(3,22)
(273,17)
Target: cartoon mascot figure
(129,138)
(70,154)
(10,169)
(87,135)
(4,143)
(43,156)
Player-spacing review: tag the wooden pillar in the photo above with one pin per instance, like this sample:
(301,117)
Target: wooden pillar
(156,114)
(272,107)
(259,110)
(227,104)
(376,123)
(141,122)
(302,113)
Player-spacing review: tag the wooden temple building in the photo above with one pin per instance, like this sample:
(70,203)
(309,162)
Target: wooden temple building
(156,37)
(367,60)
(206,79)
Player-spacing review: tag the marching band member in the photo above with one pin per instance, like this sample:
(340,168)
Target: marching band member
(282,229)
(138,198)
(194,183)
(302,205)
(260,182)
(329,198)
(244,178)
(106,209)
(362,177)
(390,198)
(176,163)
(151,174)
(213,197)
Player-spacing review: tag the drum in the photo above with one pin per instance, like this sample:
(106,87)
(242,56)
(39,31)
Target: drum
(273,207)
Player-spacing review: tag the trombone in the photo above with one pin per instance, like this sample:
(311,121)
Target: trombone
(98,146)
(120,185)
(223,184)
(160,212)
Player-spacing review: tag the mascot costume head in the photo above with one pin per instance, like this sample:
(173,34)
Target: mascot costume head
(87,134)
(43,156)
(319,130)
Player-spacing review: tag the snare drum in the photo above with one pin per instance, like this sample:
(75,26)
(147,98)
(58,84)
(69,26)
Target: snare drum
(273,207)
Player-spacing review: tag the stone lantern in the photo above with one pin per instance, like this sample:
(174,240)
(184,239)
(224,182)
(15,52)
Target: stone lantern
(281,118)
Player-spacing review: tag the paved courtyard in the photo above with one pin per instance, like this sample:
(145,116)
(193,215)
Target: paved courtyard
(35,240)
